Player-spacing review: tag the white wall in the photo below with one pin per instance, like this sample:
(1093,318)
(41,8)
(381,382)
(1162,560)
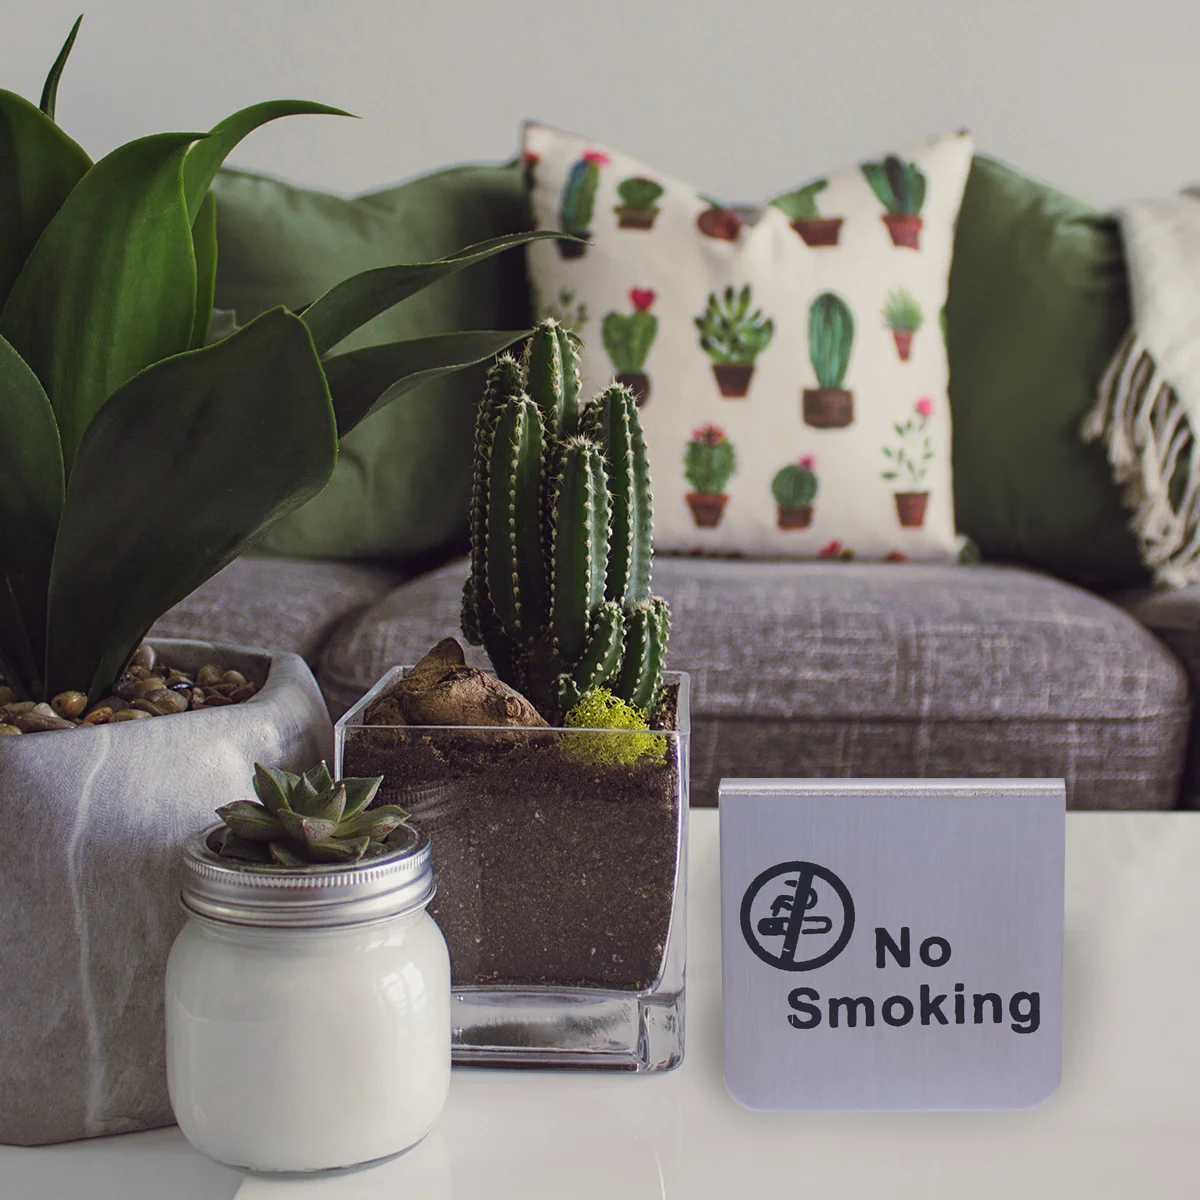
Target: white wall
(742,98)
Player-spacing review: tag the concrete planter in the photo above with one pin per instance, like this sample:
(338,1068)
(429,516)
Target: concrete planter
(89,887)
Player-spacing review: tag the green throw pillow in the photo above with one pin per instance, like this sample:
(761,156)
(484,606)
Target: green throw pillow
(1037,304)
(404,476)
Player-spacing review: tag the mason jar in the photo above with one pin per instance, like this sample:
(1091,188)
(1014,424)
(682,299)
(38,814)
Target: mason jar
(308,1010)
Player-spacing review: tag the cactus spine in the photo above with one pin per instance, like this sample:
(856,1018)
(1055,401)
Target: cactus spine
(559,588)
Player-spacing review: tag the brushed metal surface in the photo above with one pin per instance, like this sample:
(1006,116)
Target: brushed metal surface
(829,886)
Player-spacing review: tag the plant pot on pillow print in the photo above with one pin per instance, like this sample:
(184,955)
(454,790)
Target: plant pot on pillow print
(830,340)
(902,315)
(627,340)
(908,463)
(795,488)
(709,462)
(800,208)
(733,336)
(578,203)
(900,187)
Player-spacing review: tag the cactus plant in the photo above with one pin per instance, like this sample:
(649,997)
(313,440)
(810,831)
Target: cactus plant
(638,207)
(830,339)
(900,186)
(709,462)
(902,315)
(578,203)
(306,819)
(795,488)
(627,340)
(561,521)
(800,208)
(733,337)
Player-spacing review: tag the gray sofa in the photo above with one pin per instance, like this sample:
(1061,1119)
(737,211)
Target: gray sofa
(819,669)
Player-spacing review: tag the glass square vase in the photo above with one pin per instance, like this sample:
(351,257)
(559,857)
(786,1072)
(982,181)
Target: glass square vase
(560,857)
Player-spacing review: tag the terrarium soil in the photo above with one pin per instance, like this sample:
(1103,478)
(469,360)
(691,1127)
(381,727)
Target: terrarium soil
(550,871)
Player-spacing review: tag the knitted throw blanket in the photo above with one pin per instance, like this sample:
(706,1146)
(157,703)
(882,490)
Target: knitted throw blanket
(1148,408)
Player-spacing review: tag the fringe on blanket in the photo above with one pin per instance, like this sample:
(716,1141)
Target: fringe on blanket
(1148,433)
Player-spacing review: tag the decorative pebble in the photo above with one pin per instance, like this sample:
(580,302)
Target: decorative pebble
(38,722)
(148,688)
(69,704)
(144,656)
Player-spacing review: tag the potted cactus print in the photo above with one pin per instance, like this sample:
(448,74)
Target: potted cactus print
(733,337)
(638,206)
(800,208)
(830,339)
(795,488)
(708,464)
(578,202)
(900,187)
(719,222)
(627,338)
(908,464)
(902,315)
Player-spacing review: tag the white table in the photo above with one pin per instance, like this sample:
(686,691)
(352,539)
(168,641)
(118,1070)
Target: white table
(1126,1122)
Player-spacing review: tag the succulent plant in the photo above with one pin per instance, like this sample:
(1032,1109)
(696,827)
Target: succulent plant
(559,588)
(579,194)
(795,486)
(830,338)
(306,819)
(709,461)
(900,185)
(801,205)
(628,337)
(730,332)
(901,312)
(637,192)
(107,272)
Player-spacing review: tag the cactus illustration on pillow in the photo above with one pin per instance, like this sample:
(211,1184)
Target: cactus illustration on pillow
(627,340)
(900,187)
(903,316)
(800,208)
(709,462)
(578,203)
(733,337)
(795,488)
(638,206)
(830,339)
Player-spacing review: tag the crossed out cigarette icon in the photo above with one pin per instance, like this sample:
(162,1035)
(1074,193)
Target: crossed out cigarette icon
(777,926)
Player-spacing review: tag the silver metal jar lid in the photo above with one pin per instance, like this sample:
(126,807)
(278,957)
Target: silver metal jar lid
(317,897)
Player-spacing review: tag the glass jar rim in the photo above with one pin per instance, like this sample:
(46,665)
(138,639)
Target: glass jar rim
(316,897)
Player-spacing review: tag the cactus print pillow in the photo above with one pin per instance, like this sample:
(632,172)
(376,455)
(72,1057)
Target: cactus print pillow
(789,362)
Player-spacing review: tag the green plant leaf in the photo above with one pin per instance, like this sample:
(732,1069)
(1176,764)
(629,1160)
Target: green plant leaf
(110,286)
(206,156)
(40,167)
(204,247)
(355,301)
(359,793)
(272,786)
(31,504)
(181,471)
(50,88)
(320,777)
(363,381)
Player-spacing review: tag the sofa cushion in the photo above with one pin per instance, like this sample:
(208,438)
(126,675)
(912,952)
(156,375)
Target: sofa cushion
(403,479)
(278,604)
(821,669)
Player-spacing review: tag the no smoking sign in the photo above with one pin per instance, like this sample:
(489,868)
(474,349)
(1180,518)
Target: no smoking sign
(907,953)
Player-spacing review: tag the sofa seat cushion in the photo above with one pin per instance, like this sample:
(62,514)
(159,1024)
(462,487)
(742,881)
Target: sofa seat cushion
(277,604)
(836,669)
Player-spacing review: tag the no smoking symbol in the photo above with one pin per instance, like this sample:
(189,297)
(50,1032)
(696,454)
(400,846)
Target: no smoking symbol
(797,916)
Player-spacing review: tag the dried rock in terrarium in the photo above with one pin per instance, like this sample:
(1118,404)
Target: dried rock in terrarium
(442,690)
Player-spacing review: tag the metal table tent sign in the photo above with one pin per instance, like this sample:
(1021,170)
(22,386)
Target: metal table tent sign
(892,943)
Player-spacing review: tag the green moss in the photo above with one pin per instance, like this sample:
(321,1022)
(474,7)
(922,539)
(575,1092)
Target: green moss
(600,709)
